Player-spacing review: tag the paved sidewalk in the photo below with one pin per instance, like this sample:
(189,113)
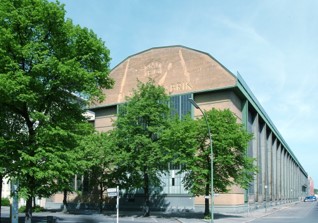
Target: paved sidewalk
(182,217)
(232,218)
(196,217)
(252,215)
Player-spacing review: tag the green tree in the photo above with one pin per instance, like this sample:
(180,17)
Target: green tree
(103,162)
(10,131)
(46,63)
(231,165)
(58,157)
(139,124)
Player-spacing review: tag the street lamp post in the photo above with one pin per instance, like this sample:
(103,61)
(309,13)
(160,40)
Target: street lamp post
(211,154)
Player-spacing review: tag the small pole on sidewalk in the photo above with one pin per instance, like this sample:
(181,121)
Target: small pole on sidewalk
(14,208)
(117,204)
(248,207)
(265,198)
(248,201)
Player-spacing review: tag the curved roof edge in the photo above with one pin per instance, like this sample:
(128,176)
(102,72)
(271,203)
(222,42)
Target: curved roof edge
(173,46)
(241,84)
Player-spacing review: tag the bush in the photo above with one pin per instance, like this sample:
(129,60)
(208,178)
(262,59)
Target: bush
(5,202)
(37,208)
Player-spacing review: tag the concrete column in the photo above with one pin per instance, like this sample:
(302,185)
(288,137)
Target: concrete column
(279,177)
(263,164)
(256,155)
(269,172)
(274,170)
(283,177)
(286,176)
(295,181)
(297,184)
(289,173)
(292,179)
(283,174)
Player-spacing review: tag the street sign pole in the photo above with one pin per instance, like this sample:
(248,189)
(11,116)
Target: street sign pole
(117,203)
(14,212)
(114,192)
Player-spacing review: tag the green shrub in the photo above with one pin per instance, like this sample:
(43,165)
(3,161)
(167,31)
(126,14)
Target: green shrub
(5,202)
(37,208)
(22,209)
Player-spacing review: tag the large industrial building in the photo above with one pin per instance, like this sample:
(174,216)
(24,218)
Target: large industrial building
(188,73)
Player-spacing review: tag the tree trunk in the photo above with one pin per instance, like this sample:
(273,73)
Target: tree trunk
(28,210)
(30,179)
(1,179)
(101,197)
(65,201)
(146,194)
(206,201)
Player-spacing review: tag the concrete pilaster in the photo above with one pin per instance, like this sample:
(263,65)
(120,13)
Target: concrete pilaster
(269,166)
(279,176)
(274,170)
(263,153)
(256,155)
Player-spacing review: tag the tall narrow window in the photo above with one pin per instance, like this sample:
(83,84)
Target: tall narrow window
(173,181)
(180,105)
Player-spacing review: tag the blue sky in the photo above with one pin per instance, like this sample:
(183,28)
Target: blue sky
(272,44)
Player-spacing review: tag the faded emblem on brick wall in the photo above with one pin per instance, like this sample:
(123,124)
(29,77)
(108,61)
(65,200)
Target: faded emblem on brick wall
(156,71)
(153,70)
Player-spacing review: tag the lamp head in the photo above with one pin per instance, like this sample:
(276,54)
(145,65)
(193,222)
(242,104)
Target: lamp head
(193,103)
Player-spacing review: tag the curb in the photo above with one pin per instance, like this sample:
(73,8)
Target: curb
(272,211)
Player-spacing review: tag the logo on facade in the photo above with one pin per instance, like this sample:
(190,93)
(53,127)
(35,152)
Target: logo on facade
(159,73)
(153,70)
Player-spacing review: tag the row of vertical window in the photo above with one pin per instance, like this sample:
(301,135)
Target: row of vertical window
(172,182)
(179,105)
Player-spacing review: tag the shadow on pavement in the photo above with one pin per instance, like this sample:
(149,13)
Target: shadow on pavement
(37,219)
(87,215)
(187,215)
(220,216)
